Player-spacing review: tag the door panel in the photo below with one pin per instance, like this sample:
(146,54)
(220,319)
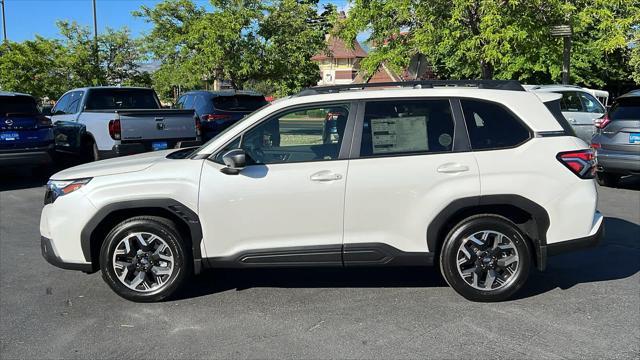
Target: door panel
(404,173)
(271,206)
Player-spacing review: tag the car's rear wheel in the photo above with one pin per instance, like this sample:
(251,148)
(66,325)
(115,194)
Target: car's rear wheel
(607,179)
(485,258)
(144,259)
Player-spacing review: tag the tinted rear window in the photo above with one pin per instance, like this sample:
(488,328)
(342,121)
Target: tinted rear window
(113,99)
(625,109)
(17,104)
(239,102)
(491,126)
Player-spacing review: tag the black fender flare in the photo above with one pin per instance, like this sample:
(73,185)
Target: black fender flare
(537,233)
(176,208)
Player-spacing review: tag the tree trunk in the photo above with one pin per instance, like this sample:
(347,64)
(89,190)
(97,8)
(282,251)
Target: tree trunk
(487,70)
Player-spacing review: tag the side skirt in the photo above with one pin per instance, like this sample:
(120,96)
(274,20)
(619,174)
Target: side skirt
(349,255)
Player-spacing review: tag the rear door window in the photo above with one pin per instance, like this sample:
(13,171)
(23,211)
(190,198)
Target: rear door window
(491,126)
(406,127)
(244,103)
(625,109)
(571,102)
(114,99)
(17,105)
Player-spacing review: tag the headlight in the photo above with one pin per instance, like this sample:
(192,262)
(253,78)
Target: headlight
(57,188)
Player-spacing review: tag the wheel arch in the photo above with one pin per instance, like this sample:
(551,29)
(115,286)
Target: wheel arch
(187,222)
(531,218)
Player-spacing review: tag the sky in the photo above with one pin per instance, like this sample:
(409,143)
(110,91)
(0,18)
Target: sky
(26,18)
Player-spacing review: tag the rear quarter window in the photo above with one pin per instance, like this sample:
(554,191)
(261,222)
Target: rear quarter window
(491,126)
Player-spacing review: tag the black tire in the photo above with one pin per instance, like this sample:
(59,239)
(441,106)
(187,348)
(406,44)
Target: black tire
(607,179)
(90,151)
(491,223)
(167,231)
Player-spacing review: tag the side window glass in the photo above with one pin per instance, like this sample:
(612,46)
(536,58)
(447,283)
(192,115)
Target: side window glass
(180,103)
(188,102)
(570,102)
(491,126)
(61,105)
(407,127)
(199,103)
(312,134)
(73,106)
(590,104)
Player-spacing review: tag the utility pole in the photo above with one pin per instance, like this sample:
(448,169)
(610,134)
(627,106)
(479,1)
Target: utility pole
(4,23)
(95,42)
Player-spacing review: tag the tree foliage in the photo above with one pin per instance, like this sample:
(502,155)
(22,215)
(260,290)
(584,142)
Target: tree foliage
(501,39)
(49,67)
(240,41)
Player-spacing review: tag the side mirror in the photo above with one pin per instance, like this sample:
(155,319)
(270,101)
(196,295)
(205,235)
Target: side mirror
(235,160)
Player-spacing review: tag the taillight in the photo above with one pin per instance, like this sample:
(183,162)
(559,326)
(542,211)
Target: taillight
(198,127)
(44,121)
(600,123)
(114,129)
(580,162)
(214,117)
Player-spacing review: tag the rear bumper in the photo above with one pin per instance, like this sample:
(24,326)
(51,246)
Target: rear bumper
(49,254)
(34,156)
(591,240)
(618,161)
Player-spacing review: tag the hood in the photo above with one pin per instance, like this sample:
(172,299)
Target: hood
(113,166)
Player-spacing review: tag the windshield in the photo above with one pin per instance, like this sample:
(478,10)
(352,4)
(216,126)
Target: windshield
(114,99)
(246,103)
(17,104)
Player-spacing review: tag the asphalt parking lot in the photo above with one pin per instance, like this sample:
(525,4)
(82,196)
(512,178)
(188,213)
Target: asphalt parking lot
(586,305)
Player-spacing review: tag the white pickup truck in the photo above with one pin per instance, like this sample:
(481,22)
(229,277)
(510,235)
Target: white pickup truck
(104,122)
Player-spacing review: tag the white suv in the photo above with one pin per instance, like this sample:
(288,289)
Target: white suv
(483,181)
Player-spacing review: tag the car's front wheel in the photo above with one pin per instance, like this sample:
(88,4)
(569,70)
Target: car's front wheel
(485,258)
(144,259)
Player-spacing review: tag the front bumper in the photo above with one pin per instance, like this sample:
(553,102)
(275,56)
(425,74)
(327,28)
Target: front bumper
(49,254)
(622,162)
(34,156)
(591,240)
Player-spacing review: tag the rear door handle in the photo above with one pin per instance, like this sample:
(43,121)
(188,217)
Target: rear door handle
(325,175)
(452,168)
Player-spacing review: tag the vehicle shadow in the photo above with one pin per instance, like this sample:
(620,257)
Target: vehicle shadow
(631,182)
(616,257)
(23,178)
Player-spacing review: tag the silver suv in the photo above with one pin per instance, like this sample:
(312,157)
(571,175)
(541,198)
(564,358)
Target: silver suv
(617,140)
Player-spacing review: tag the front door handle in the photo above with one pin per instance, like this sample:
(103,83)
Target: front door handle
(572,120)
(452,168)
(325,175)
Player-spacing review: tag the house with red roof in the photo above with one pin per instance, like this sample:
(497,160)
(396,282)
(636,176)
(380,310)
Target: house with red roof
(340,63)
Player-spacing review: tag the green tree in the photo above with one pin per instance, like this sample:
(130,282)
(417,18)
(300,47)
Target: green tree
(240,41)
(501,39)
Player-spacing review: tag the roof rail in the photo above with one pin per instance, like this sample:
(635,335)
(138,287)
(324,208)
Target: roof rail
(512,85)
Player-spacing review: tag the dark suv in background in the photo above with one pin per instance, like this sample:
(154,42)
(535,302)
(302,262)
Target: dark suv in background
(217,110)
(26,136)
(617,140)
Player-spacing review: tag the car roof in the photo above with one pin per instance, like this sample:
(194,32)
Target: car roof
(632,93)
(554,87)
(224,92)
(8,93)
(110,87)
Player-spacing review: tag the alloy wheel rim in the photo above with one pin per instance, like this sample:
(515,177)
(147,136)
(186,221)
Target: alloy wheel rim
(143,262)
(488,260)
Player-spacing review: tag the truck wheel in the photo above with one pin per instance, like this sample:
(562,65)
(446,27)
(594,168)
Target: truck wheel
(485,258)
(145,259)
(607,179)
(90,151)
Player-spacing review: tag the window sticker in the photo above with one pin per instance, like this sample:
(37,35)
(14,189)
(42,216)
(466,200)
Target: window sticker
(406,134)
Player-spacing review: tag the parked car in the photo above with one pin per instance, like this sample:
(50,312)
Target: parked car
(265,195)
(217,110)
(578,106)
(103,122)
(617,140)
(26,136)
